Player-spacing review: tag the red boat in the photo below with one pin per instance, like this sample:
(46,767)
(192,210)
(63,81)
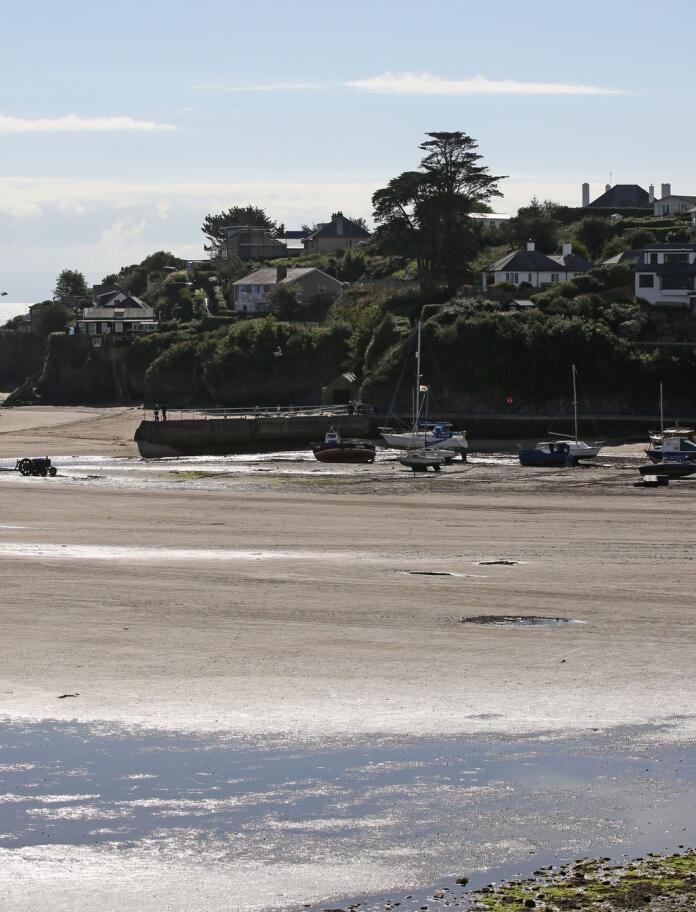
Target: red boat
(335,449)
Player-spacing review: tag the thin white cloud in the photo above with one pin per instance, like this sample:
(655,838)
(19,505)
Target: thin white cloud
(429,84)
(71,123)
(261,87)
(30,197)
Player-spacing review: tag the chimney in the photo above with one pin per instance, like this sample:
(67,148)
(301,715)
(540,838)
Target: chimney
(530,247)
(651,194)
(281,273)
(338,218)
(585,195)
(666,190)
(567,249)
(607,188)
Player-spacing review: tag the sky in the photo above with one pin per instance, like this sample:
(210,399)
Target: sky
(122,125)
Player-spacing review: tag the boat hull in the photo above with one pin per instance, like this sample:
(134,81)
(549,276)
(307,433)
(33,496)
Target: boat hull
(414,439)
(345,454)
(538,459)
(672,469)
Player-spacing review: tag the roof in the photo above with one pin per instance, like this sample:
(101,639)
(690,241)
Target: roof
(535,261)
(626,256)
(678,196)
(330,229)
(301,233)
(572,261)
(622,196)
(270,276)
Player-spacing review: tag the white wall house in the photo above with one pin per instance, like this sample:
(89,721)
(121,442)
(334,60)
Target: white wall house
(535,268)
(673,203)
(251,294)
(666,275)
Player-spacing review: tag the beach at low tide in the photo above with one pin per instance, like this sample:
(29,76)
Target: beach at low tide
(286,606)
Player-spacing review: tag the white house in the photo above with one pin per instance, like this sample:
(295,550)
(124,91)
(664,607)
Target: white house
(666,275)
(251,294)
(535,268)
(115,312)
(673,203)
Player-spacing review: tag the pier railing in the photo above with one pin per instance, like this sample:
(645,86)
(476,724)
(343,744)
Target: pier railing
(257,411)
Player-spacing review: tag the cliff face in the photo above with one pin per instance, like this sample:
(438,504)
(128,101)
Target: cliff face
(21,356)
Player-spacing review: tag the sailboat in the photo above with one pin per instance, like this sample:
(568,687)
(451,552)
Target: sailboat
(578,449)
(426,434)
(675,443)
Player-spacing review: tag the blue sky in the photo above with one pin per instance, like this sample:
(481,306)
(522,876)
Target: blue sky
(121,127)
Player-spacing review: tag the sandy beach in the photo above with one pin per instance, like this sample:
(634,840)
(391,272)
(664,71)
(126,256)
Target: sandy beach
(279,604)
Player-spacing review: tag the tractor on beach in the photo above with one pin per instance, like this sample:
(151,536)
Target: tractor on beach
(36,465)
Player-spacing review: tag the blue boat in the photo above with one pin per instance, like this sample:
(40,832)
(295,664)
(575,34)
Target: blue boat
(548,453)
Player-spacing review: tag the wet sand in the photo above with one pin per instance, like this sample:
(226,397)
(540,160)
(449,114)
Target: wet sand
(276,600)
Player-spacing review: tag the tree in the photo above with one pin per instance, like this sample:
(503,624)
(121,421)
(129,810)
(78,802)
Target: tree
(213,225)
(536,222)
(425,214)
(594,231)
(71,288)
(49,317)
(284,303)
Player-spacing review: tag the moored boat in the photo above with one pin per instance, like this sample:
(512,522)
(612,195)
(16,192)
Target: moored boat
(669,469)
(548,453)
(335,449)
(424,433)
(578,449)
(424,458)
(433,435)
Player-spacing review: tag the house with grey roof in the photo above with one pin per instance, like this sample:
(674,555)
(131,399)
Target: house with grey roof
(534,268)
(114,312)
(620,196)
(250,295)
(673,203)
(340,233)
(665,275)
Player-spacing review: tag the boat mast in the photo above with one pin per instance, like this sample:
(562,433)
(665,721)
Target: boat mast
(662,411)
(575,403)
(416,413)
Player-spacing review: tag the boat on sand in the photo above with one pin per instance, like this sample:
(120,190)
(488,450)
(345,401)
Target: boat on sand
(335,449)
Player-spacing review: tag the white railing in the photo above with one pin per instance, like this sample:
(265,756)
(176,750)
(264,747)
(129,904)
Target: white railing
(279,411)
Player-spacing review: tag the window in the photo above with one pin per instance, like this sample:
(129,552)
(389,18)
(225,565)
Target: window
(646,280)
(512,277)
(652,259)
(529,277)
(555,277)
(676,258)
(118,327)
(490,278)
(322,289)
(677,282)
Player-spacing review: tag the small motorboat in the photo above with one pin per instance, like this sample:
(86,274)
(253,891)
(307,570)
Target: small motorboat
(668,469)
(335,449)
(424,458)
(673,443)
(548,453)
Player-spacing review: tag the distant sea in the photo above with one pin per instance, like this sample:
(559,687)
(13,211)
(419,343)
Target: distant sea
(7,311)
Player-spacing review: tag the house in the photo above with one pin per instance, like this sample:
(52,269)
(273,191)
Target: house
(692,213)
(251,294)
(249,242)
(490,219)
(620,196)
(672,203)
(665,274)
(114,311)
(535,268)
(340,233)
(342,390)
